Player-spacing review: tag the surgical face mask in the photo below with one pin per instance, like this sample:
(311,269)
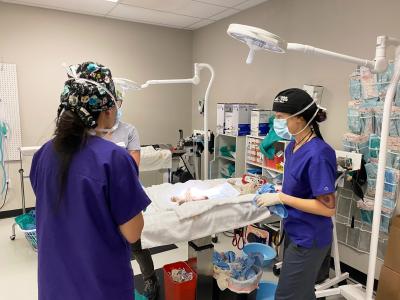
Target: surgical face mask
(116,124)
(281,129)
(119,115)
(282,123)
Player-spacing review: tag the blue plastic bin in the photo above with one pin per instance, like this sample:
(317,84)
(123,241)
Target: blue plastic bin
(268,252)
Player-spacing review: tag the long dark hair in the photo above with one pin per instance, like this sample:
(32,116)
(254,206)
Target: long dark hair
(69,137)
(320,117)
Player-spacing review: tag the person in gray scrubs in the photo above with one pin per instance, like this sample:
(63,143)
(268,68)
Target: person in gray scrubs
(127,136)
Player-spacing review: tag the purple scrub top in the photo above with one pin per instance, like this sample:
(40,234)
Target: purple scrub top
(81,253)
(309,172)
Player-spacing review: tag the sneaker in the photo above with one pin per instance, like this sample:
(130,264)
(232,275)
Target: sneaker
(151,288)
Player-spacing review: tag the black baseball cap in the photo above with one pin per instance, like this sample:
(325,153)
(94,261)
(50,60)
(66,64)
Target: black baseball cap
(292,101)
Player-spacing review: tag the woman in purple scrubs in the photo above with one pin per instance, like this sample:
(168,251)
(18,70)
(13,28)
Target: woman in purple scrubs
(88,197)
(308,192)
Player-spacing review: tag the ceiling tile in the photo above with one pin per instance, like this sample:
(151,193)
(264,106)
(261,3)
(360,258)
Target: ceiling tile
(224,3)
(249,3)
(145,15)
(181,7)
(190,14)
(228,12)
(199,24)
(93,7)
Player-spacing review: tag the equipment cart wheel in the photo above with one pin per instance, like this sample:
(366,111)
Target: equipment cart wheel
(12,236)
(214,239)
(276,270)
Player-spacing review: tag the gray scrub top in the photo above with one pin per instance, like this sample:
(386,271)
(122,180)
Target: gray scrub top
(126,136)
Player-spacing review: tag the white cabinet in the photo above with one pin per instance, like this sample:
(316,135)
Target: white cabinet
(238,155)
(229,156)
(256,162)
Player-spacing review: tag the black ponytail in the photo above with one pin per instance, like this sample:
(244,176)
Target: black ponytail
(315,128)
(70,136)
(320,117)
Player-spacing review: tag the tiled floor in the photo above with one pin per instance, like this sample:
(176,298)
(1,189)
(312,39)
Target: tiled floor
(18,264)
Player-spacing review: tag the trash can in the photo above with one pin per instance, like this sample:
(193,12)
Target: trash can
(179,291)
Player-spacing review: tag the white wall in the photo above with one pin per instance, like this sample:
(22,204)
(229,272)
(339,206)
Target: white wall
(39,40)
(349,27)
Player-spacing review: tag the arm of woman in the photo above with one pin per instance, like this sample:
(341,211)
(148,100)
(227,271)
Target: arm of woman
(136,156)
(323,205)
(134,144)
(132,229)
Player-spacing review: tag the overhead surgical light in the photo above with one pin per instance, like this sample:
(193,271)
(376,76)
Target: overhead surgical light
(257,39)
(126,85)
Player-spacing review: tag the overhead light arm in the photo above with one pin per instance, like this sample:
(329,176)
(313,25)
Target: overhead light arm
(167,81)
(321,52)
(194,80)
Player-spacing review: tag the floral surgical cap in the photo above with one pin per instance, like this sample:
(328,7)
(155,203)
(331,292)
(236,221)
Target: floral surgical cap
(89,89)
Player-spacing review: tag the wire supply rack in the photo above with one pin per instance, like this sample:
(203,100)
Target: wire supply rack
(30,234)
(365,112)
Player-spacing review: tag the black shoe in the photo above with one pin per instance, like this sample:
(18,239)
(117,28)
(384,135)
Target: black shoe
(151,288)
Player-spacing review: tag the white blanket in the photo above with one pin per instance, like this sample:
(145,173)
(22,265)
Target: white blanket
(151,159)
(166,223)
(164,227)
(192,209)
(218,191)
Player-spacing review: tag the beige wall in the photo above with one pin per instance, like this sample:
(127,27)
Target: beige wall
(349,27)
(39,40)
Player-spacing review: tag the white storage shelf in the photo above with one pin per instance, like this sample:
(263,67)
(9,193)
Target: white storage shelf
(250,164)
(220,163)
(227,158)
(240,161)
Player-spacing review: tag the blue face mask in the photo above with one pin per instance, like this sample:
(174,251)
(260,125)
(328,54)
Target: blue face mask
(281,126)
(119,115)
(281,129)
